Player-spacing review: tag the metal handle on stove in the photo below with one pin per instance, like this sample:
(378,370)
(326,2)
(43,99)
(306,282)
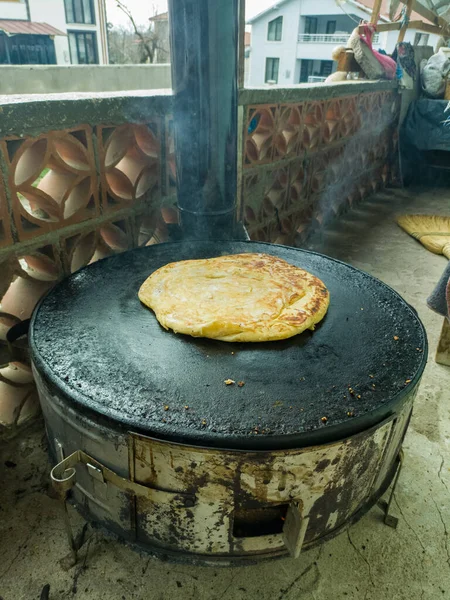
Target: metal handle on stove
(63,477)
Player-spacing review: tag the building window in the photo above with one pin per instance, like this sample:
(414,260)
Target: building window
(306,69)
(421,39)
(310,24)
(275,30)
(83,48)
(331,27)
(272,66)
(326,68)
(80,11)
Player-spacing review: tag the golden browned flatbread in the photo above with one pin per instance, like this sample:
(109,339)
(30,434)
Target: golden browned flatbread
(236,298)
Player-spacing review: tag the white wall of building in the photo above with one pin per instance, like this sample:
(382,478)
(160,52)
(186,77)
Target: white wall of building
(13,10)
(290,51)
(284,50)
(388,40)
(52,12)
(62,50)
(323,7)
(314,52)
(48,11)
(391,39)
(343,23)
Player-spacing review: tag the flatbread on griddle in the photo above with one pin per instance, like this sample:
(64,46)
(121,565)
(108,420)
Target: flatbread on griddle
(236,298)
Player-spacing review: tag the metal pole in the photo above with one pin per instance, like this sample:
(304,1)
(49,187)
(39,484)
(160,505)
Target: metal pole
(241,46)
(204,40)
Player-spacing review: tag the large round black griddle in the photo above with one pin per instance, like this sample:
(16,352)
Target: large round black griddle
(94,342)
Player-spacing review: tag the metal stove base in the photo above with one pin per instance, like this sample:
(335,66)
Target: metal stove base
(218,506)
(77,541)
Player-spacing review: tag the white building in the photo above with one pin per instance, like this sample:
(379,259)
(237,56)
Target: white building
(59,32)
(292,41)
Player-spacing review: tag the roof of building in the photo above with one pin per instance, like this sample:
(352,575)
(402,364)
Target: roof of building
(385,9)
(365,5)
(161,17)
(267,10)
(28,27)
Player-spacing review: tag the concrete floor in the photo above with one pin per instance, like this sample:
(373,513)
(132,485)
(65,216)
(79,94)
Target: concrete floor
(369,562)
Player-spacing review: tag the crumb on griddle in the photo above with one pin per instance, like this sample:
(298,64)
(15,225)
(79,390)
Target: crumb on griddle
(229,382)
(203,421)
(186,406)
(350,413)
(408,381)
(241,383)
(396,338)
(166,407)
(324,419)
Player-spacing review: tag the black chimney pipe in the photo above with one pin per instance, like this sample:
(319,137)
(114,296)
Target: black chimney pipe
(203,43)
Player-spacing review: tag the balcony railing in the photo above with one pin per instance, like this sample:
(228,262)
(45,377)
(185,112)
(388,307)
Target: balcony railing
(316,79)
(328,38)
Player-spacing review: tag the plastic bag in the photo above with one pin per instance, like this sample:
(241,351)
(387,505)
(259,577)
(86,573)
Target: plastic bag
(434,73)
(388,64)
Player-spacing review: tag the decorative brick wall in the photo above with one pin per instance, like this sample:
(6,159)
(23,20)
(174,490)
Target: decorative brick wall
(313,157)
(85,176)
(70,195)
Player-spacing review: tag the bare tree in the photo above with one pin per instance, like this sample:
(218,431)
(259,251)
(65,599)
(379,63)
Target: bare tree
(148,40)
(123,48)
